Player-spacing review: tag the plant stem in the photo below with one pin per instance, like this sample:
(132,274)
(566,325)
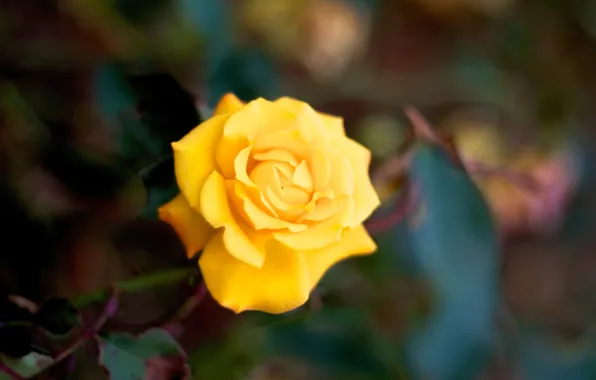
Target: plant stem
(135,285)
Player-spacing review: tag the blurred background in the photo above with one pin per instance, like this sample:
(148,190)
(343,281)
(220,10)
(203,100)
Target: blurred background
(496,284)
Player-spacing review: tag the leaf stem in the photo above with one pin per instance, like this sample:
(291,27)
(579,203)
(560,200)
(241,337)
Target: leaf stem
(136,284)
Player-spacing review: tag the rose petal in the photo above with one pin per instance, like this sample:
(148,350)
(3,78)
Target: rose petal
(191,227)
(280,155)
(324,209)
(293,141)
(258,218)
(316,236)
(216,210)
(194,157)
(341,179)
(280,285)
(334,124)
(302,177)
(241,166)
(366,199)
(354,242)
(259,117)
(320,169)
(229,103)
(312,124)
(226,153)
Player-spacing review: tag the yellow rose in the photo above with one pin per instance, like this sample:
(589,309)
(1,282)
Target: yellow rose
(274,194)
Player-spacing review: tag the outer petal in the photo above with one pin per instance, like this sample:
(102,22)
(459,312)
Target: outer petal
(258,117)
(228,103)
(216,210)
(280,285)
(193,229)
(334,124)
(312,124)
(354,242)
(366,199)
(194,157)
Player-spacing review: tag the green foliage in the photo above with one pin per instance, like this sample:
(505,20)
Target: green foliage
(57,316)
(154,354)
(27,366)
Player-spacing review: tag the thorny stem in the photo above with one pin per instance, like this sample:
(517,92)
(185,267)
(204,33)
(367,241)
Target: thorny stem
(398,166)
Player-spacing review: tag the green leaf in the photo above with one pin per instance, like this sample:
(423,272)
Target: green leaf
(154,354)
(27,366)
(338,341)
(57,316)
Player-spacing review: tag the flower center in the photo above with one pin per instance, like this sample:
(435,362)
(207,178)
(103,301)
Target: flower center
(288,182)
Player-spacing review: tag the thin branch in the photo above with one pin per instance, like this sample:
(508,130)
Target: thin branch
(191,304)
(136,284)
(403,206)
(109,310)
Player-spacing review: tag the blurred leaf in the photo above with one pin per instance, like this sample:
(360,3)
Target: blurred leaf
(147,113)
(27,366)
(137,11)
(453,238)
(57,316)
(338,341)
(153,355)
(541,358)
(248,73)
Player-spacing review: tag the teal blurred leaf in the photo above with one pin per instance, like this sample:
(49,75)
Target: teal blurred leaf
(153,355)
(247,72)
(539,357)
(338,341)
(453,238)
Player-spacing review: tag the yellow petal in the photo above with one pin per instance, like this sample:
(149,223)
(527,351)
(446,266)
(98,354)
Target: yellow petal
(226,153)
(194,157)
(354,242)
(320,169)
(216,210)
(302,177)
(229,103)
(257,217)
(280,285)
(366,199)
(258,117)
(341,178)
(311,123)
(324,208)
(191,227)
(280,155)
(241,166)
(334,124)
(316,236)
(293,141)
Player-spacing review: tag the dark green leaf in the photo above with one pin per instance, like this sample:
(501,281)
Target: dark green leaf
(154,354)
(57,316)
